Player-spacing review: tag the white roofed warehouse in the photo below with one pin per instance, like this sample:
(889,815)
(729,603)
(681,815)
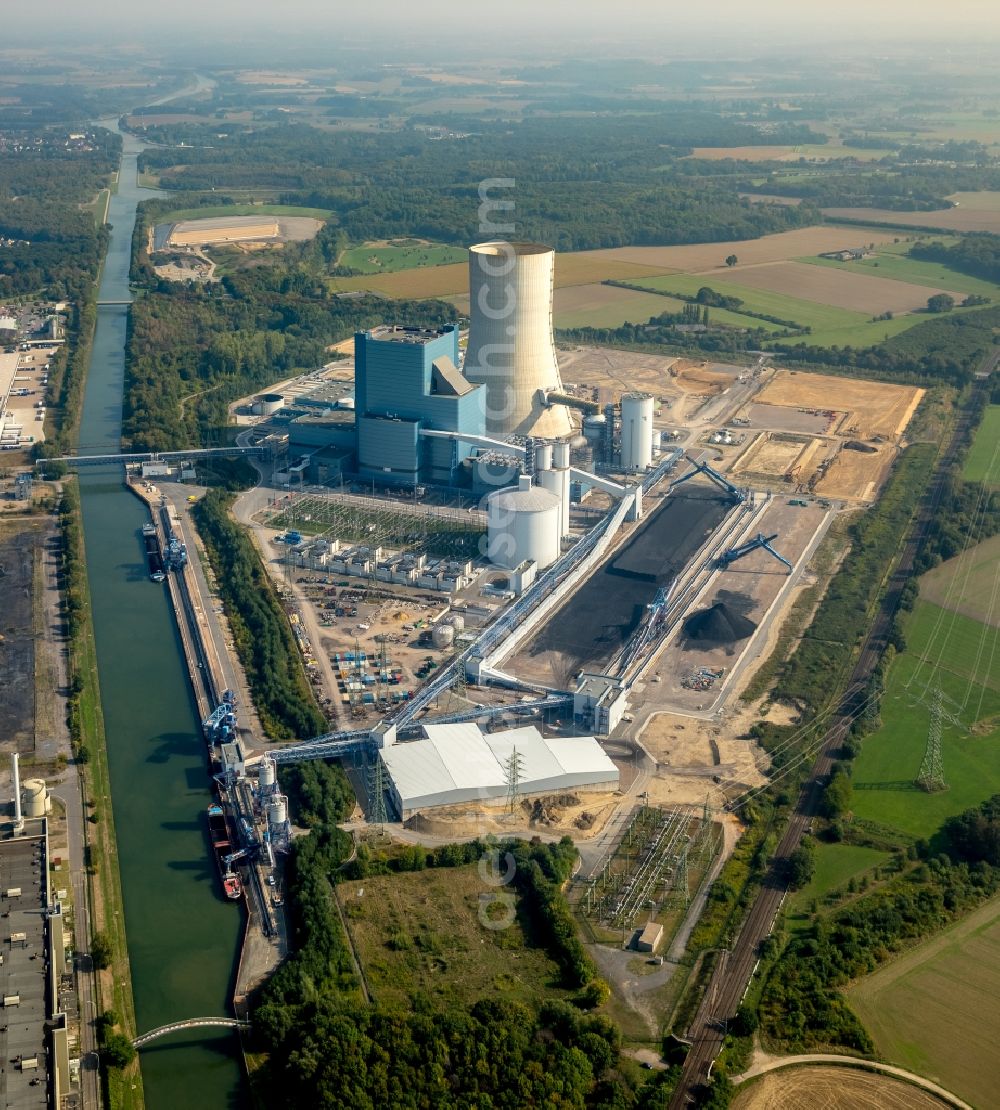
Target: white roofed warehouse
(460,763)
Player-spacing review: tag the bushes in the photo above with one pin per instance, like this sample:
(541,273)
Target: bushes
(260,629)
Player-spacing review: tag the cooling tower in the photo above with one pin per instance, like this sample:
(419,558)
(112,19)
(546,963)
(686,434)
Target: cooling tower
(511,349)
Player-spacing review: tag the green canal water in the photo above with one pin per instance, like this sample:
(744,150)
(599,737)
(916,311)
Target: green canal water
(183,936)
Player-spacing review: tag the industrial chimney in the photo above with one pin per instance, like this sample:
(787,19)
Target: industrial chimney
(511,348)
(16,776)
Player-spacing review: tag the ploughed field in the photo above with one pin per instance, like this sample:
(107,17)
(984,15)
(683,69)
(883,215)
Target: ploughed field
(833,1088)
(597,620)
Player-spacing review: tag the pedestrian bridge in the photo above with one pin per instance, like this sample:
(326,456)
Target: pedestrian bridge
(191,1023)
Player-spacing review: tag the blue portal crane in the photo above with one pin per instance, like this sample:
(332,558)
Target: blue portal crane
(759,541)
(711,472)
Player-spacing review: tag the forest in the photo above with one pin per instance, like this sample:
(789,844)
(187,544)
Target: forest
(327,1048)
(193,351)
(581,183)
(977,255)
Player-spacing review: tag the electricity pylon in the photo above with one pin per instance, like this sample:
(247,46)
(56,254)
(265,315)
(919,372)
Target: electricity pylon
(931,775)
(513,769)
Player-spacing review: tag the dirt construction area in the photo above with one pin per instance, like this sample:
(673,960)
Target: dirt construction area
(870,408)
(774,455)
(856,475)
(832,1088)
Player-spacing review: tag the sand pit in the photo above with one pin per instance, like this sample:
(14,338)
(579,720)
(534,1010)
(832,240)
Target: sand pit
(579,815)
(873,408)
(833,1087)
(856,475)
(702,378)
(774,455)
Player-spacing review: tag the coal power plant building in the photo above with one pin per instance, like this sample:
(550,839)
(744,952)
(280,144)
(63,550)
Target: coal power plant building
(407,379)
(457,764)
(511,349)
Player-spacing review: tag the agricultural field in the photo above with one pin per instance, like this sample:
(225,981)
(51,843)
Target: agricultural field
(813,152)
(967,584)
(419,933)
(400,254)
(225,210)
(877,408)
(933,1010)
(899,267)
(951,652)
(856,292)
(836,865)
(829,323)
(982,464)
(975,212)
(832,1087)
(607,306)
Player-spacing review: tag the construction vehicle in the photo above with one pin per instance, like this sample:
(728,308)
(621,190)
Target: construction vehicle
(727,558)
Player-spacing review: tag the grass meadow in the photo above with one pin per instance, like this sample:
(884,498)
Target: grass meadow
(953,652)
(934,1009)
(982,464)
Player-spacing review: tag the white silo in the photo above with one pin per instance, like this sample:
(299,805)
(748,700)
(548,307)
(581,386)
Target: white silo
(443,636)
(36,798)
(277,811)
(268,775)
(556,480)
(543,456)
(637,431)
(511,348)
(523,523)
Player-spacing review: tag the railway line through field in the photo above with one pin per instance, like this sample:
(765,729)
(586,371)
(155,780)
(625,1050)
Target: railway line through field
(731,978)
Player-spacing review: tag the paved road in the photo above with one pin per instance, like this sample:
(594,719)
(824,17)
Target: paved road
(729,982)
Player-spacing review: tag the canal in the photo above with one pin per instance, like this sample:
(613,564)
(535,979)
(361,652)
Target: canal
(183,937)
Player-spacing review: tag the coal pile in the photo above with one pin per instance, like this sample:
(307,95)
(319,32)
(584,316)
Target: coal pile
(718,625)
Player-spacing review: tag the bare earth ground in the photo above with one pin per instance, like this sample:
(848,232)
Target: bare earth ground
(967,583)
(698,257)
(962,218)
(875,408)
(822,284)
(856,474)
(774,456)
(832,1088)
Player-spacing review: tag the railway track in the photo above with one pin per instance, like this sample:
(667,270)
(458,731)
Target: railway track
(731,978)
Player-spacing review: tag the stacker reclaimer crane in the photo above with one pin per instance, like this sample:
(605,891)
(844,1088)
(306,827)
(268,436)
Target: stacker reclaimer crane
(759,541)
(717,478)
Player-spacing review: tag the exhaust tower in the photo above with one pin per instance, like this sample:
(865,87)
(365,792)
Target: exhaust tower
(511,347)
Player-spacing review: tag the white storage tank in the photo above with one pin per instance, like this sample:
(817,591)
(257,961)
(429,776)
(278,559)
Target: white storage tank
(277,811)
(637,431)
(36,798)
(443,635)
(523,523)
(270,403)
(268,773)
(543,456)
(457,621)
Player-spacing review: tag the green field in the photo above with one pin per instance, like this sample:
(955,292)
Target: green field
(967,582)
(836,865)
(242,210)
(982,464)
(629,306)
(899,267)
(934,1009)
(405,255)
(890,758)
(419,933)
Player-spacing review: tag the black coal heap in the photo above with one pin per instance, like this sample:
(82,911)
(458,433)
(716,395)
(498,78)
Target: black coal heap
(718,625)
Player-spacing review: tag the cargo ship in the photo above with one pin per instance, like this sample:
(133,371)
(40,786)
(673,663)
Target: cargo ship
(151,542)
(218,829)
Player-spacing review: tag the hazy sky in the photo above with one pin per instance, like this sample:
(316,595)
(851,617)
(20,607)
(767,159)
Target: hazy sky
(504,19)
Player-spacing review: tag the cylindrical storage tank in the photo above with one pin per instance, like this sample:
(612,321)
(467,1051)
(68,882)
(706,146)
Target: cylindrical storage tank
(277,811)
(557,482)
(257,408)
(270,403)
(637,431)
(593,428)
(560,455)
(35,798)
(268,774)
(443,635)
(457,621)
(523,523)
(511,348)
(543,456)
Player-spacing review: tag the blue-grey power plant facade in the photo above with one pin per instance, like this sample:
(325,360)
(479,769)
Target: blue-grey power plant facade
(406,379)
